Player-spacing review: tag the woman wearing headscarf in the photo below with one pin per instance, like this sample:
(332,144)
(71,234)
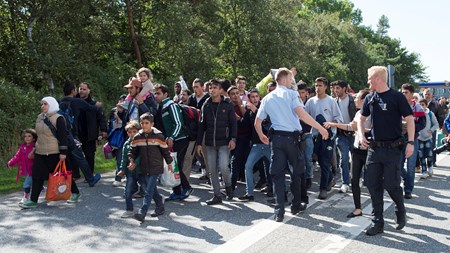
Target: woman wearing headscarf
(49,150)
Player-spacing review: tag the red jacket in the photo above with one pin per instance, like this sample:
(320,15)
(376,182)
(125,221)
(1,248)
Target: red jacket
(21,159)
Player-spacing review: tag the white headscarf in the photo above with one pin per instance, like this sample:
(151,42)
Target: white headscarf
(53,105)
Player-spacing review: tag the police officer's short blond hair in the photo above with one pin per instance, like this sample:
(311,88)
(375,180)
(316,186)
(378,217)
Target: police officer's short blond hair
(378,71)
(281,73)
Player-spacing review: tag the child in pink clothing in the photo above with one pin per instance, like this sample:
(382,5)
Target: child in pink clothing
(145,76)
(24,158)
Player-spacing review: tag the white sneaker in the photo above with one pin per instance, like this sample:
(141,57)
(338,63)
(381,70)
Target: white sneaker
(344,188)
(127,214)
(430,172)
(23,200)
(424,175)
(316,166)
(116,183)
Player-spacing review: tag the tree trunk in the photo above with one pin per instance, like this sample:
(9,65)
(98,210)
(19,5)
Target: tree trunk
(50,84)
(137,51)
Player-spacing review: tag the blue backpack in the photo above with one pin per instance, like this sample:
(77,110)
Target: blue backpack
(65,110)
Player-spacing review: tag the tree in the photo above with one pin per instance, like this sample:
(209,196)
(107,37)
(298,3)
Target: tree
(344,9)
(383,26)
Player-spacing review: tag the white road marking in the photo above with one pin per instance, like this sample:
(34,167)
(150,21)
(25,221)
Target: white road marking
(333,243)
(258,231)
(344,235)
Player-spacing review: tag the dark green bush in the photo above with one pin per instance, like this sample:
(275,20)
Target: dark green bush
(19,107)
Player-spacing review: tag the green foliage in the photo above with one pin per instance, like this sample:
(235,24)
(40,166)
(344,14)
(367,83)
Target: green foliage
(19,108)
(343,8)
(44,43)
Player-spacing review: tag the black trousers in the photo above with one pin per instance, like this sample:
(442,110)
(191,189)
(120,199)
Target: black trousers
(286,149)
(383,171)
(359,157)
(89,149)
(42,167)
(324,150)
(238,158)
(180,146)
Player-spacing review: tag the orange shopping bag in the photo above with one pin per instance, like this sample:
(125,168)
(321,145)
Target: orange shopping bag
(59,183)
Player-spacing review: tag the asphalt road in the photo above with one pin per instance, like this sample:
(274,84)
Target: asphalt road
(94,224)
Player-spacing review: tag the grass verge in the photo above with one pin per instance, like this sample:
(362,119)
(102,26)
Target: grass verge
(8,176)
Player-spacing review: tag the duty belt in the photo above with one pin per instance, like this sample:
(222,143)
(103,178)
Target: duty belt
(286,133)
(297,135)
(387,144)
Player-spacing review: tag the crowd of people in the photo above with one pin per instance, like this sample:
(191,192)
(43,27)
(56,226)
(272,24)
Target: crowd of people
(354,139)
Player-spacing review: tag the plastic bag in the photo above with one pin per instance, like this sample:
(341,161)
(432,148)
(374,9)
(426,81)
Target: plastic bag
(59,183)
(171,179)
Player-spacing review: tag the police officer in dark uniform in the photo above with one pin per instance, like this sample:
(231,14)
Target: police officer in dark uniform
(284,109)
(387,108)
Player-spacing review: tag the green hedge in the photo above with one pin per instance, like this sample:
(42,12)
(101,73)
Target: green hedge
(19,107)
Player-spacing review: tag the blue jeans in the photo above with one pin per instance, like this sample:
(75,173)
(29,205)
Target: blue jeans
(77,154)
(27,183)
(344,145)
(308,152)
(257,152)
(217,158)
(151,192)
(132,179)
(425,155)
(409,173)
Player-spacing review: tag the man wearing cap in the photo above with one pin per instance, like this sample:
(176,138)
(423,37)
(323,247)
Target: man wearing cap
(138,106)
(344,140)
(132,110)
(284,140)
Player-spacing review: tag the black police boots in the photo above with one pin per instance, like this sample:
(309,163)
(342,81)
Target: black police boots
(377,228)
(401,219)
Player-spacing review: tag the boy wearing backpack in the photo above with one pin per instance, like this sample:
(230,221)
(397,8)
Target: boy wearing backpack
(176,137)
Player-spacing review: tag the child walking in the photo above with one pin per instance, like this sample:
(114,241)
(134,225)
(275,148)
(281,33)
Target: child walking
(24,159)
(425,141)
(152,148)
(133,175)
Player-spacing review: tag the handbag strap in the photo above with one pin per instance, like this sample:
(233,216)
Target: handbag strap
(60,167)
(52,127)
